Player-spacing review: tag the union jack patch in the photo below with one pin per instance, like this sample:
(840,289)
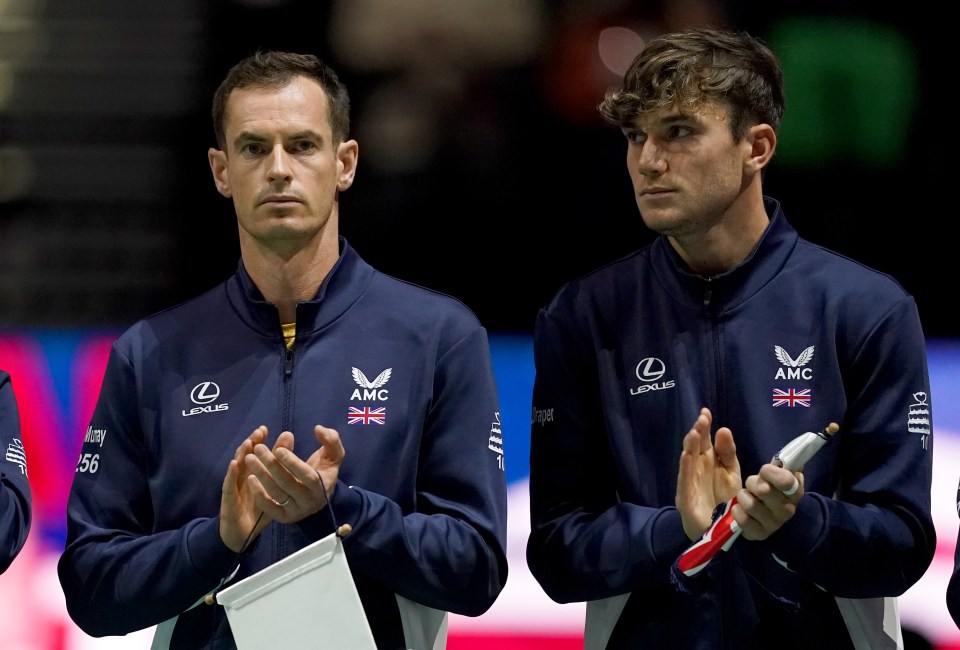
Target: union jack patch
(367,415)
(791,397)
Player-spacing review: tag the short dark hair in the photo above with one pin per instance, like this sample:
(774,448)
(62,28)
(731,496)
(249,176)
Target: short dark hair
(690,68)
(272,69)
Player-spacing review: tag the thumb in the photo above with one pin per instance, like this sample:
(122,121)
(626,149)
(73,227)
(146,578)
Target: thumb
(332,447)
(726,449)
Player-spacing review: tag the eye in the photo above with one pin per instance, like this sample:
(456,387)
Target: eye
(635,137)
(252,149)
(303,146)
(677,131)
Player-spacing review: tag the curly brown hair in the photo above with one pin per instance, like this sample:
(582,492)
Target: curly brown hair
(690,69)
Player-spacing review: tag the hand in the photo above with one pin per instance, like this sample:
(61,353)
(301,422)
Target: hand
(289,489)
(763,506)
(709,474)
(238,509)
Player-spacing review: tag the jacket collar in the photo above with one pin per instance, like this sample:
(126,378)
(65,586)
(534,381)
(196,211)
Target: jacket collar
(732,287)
(342,287)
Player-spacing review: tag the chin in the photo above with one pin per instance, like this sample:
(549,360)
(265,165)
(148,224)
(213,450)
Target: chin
(660,220)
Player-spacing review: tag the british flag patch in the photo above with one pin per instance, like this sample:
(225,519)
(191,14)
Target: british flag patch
(791,397)
(367,415)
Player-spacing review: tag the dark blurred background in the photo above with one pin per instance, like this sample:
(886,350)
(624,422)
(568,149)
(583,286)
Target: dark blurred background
(484,172)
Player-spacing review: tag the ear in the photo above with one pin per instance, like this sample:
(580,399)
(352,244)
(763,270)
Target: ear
(762,140)
(347,153)
(218,166)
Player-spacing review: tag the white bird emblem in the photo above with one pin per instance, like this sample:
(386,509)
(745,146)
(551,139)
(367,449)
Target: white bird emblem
(785,359)
(381,379)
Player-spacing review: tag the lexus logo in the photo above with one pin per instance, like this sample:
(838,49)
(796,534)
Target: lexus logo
(650,369)
(204,393)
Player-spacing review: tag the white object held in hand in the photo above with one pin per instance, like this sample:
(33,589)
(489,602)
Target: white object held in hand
(724,531)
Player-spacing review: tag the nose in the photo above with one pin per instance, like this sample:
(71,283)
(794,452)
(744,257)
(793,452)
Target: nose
(279,166)
(649,158)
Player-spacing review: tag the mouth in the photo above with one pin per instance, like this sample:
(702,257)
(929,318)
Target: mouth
(655,191)
(275,199)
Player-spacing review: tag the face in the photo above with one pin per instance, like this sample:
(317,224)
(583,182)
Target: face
(281,166)
(687,171)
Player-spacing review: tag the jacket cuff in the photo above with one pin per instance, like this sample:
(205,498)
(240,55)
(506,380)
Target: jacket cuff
(344,506)
(797,538)
(207,552)
(669,538)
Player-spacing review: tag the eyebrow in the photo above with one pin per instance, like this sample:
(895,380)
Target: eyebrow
(247,136)
(675,118)
(250,136)
(667,120)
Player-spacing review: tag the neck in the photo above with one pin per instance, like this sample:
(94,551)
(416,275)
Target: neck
(293,277)
(727,243)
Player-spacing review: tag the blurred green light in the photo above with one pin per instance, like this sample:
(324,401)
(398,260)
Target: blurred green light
(852,91)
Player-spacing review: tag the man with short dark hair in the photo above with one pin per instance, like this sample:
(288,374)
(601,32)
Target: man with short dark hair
(387,389)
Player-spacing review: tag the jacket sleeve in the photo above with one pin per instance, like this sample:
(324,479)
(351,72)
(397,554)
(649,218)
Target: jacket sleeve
(118,574)
(953,587)
(584,543)
(450,553)
(880,514)
(15,498)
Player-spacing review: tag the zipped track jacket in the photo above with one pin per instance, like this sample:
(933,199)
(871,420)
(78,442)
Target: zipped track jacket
(790,340)
(15,495)
(405,376)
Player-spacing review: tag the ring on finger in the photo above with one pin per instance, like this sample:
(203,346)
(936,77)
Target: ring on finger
(793,488)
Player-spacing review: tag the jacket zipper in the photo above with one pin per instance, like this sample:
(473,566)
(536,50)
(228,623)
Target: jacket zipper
(719,417)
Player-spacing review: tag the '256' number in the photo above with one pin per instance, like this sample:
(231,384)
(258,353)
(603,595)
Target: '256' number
(89,463)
